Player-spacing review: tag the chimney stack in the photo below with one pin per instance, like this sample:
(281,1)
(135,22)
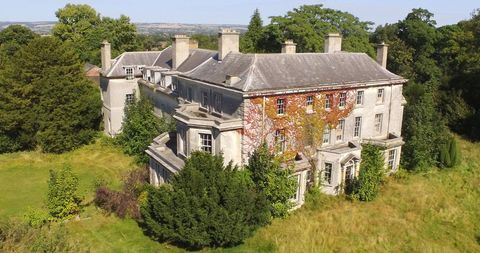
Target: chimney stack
(180,50)
(382,51)
(106,53)
(333,43)
(228,41)
(288,47)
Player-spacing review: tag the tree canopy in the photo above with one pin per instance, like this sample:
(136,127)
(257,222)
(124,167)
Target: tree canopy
(309,24)
(86,29)
(46,100)
(13,37)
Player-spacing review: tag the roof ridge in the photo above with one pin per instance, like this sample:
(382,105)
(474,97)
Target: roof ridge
(250,70)
(117,61)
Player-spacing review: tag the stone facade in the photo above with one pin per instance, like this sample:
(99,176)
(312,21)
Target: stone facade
(228,103)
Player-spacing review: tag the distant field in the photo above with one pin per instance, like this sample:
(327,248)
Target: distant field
(434,212)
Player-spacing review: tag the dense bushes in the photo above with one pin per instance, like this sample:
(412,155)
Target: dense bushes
(207,204)
(367,185)
(123,203)
(272,180)
(139,128)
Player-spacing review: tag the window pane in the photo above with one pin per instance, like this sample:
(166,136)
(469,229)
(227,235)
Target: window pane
(343,99)
(328,100)
(206,142)
(359,97)
(358,126)
(280,106)
(327,176)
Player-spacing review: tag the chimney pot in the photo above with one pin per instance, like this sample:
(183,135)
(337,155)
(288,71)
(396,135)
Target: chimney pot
(288,47)
(382,52)
(333,43)
(228,41)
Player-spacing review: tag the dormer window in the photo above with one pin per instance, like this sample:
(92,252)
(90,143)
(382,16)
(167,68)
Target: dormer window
(129,73)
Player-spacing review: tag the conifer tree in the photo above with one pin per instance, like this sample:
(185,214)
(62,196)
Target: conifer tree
(46,99)
(249,41)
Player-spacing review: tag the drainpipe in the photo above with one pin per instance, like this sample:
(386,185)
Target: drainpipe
(389,110)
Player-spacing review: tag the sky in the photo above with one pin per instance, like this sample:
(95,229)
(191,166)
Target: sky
(236,11)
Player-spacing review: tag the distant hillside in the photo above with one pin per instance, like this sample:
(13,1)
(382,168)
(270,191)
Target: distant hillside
(45,27)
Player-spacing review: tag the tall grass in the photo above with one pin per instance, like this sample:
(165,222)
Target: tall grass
(437,211)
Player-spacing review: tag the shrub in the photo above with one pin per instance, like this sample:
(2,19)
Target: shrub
(62,200)
(367,185)
(207,204)
(123,203)
(272,180)
(36,217)
(449,153)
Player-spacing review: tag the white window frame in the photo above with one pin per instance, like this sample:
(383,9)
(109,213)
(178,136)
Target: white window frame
(378,123)
(130,98)
(129,73)
(328,101)
(340,130)
(360,97)
(206,142)
(281,106)
(380,95)
(342,100)
(326,135)
(392,156)
(357,129)
(280,140)
(327,173)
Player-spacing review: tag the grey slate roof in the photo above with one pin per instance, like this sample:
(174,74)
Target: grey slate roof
(263,72)
(132,59)
(197,56)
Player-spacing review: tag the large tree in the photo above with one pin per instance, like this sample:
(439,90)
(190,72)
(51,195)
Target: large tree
(308,25)
(46,100)
(86,29)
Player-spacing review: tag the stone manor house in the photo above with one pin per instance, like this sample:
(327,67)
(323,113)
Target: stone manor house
(228,102)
